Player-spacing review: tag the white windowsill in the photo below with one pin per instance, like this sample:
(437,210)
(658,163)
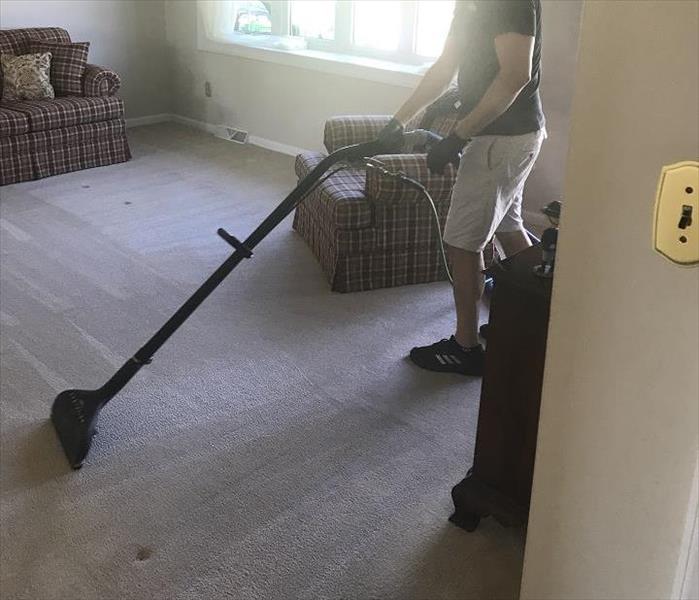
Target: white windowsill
(358,67)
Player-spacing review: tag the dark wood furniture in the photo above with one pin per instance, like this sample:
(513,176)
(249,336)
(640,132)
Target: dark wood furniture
(500,480)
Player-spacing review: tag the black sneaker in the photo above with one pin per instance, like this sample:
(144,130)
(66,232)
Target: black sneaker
(447,356)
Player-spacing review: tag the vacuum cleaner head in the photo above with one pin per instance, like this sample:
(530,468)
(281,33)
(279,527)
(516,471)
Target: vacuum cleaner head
(74,416)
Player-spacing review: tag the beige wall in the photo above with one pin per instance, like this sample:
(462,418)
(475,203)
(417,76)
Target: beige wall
(290,105)
(619,428)
(126,35)
(273,101)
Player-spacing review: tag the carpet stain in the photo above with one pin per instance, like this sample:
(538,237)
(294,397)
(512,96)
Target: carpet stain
(143,553)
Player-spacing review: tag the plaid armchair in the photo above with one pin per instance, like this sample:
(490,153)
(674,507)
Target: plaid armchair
(39,138)
(368,230)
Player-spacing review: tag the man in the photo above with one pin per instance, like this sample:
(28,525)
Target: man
(496,47)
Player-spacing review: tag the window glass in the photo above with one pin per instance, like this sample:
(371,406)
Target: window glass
(377,24)
(252,17)
(374,28)
(313,19)
(433,22)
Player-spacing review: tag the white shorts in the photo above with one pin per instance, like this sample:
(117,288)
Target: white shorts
(487,194)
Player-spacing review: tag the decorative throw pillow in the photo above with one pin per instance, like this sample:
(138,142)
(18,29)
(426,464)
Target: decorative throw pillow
(26,77)
(68,63)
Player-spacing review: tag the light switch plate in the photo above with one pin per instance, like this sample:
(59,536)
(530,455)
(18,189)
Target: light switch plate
(676,223)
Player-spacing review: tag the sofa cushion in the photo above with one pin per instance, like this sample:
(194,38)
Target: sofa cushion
(12,123)
(13,41)
(68,63)
(68,111)
(26,77)
(340,199)
(16,41)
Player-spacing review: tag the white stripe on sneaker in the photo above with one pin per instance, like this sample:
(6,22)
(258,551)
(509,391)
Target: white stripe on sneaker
(440,359)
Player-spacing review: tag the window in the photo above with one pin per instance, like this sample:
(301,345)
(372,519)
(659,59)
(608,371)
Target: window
(252,18)
(433,23)
(401,31)
(377,24)
(311,19)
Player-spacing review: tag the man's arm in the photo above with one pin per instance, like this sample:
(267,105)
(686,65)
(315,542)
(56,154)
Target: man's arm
(435,81)
(514,52)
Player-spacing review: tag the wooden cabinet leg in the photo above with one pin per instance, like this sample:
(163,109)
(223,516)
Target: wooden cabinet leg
(469,504)
(474,500)
(466,520)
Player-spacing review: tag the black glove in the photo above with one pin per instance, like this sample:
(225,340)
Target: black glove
(445,152)
(391,136)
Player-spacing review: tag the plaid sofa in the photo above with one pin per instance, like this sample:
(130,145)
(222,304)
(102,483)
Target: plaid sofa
(39,138)
(369,230)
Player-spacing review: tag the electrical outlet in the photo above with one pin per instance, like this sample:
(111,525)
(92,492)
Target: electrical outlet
(207,89)
(676,233)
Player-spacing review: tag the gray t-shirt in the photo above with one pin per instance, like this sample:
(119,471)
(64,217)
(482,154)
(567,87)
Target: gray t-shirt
(475,26)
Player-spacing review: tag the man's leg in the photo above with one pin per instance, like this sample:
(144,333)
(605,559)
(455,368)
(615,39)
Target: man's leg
(510,234)
(466,270)
(470,223)
(486,200)
(461,353)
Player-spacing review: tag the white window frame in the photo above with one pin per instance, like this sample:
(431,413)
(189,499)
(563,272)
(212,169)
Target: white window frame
(340,56)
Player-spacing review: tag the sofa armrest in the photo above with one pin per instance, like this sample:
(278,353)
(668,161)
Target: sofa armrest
(381,187)
(100,81)
(347,130)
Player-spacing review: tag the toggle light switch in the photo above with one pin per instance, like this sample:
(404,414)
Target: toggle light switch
(686,218)
(676,225)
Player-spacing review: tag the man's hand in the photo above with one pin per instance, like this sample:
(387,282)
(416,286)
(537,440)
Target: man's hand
(391,136)
(445,152)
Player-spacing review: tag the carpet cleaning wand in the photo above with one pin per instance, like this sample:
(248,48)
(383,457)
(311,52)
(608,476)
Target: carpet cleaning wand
(74,413)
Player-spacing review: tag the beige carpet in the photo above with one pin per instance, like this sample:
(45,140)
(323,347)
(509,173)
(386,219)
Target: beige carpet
(280,446)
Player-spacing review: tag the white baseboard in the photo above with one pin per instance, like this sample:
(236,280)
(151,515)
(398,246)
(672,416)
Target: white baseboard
(148,120)
(200,125)
(255,140)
